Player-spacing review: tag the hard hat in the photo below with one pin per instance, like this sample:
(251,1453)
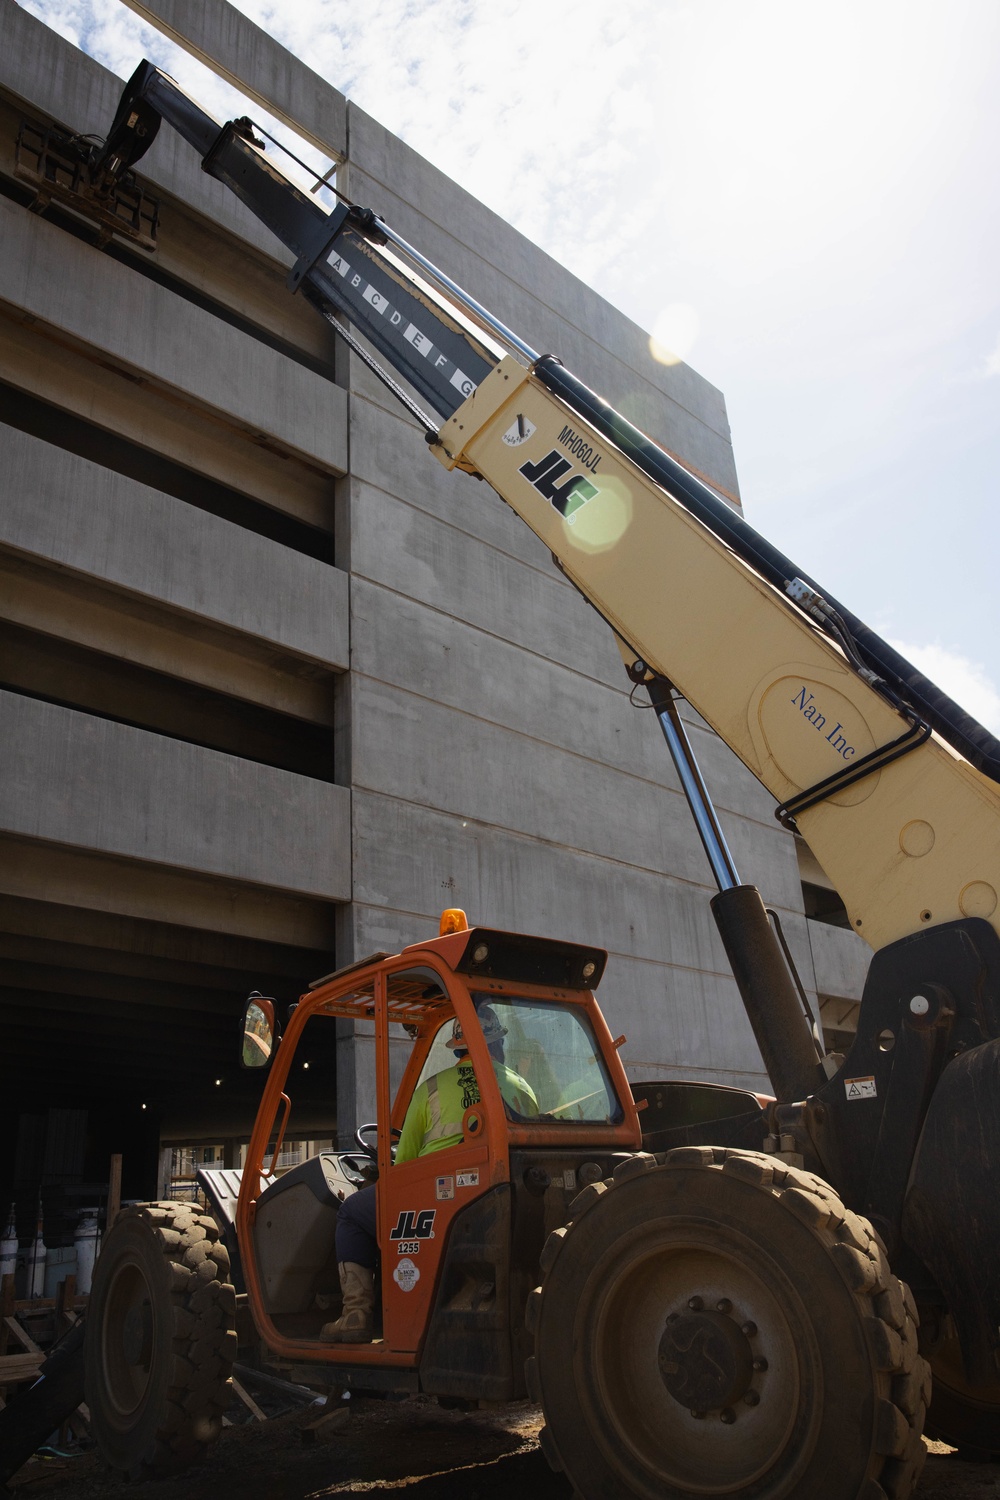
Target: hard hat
(488,1020)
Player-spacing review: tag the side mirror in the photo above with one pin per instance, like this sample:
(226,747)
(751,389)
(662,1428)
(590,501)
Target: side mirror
(258,1032)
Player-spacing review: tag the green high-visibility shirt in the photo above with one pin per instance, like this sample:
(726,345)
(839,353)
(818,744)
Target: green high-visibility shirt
(434,1118)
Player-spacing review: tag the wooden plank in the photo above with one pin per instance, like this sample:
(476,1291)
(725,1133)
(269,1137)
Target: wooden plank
(65,1317)
(23,1337)
(114,1189)
(249,1402)
(17,1367)
(79,1421)
(65,1298)
(38,1305)
(6,1310)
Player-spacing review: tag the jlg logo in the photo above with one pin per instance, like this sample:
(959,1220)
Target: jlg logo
(568,497)
(414,1224)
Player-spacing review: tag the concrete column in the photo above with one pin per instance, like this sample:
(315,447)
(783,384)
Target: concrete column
(163,1173)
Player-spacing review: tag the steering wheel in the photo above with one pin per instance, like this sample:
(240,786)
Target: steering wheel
(370,1148)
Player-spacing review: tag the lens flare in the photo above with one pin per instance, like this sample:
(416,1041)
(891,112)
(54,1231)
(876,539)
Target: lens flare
(675,333)
(603,521)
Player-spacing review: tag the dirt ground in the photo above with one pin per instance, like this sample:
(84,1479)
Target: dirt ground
(377,1446)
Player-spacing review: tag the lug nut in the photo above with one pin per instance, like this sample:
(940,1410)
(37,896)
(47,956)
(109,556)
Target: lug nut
(750,1329)
(727,1415)
(724,1305)
(760,1364)
(699,1416)
(752,1398)
(696,1304)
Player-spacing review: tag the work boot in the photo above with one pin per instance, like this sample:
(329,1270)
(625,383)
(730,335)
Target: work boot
(354,1326)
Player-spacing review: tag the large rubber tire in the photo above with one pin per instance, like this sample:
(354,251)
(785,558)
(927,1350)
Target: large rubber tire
(714,1323)
(161,1339)
(966,1416)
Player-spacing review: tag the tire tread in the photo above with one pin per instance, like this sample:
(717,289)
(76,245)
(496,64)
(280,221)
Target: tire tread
(885,1306)
(202,1309)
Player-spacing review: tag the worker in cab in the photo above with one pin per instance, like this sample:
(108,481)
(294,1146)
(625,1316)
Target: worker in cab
(434,1118)
(433,1123)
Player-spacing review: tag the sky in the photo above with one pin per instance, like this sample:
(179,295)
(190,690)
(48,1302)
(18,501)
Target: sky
(801,199)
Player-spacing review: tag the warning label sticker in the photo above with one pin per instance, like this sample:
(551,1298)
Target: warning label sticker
(860,1088)
(406,1275)
(519,433)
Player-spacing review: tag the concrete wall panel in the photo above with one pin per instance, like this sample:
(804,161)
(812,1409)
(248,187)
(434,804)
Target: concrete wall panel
(92,784)
(841,960)
(429,652)
(437,564)
(505,780)
(417,861)
(70,513)
(71,608)
(75,379)
(94,300)
(79,883)
(201,259)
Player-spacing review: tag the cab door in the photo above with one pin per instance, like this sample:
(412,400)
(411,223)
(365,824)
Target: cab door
(418,1200)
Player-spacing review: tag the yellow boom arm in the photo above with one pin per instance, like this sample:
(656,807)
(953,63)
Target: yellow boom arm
(912,844)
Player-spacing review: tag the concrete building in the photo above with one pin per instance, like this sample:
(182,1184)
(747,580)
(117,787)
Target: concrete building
(276,688)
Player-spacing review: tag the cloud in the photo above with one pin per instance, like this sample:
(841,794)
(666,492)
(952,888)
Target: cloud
(983,369)
(532,108)
(962,679)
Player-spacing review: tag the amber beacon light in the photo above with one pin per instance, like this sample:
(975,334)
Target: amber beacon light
(453,920)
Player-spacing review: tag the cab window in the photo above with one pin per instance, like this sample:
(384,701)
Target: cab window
(552,1048)
(440,1055)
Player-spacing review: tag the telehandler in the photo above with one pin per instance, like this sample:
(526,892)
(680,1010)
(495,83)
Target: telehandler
(699,1286)
(710,1317)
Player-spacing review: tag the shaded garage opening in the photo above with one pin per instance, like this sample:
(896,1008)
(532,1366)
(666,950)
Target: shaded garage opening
(121,1036)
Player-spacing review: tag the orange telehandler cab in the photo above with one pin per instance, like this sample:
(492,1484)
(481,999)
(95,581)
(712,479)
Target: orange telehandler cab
(461,1229)
(717,1312)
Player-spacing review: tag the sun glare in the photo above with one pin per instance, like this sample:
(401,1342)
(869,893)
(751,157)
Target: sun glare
(675,333)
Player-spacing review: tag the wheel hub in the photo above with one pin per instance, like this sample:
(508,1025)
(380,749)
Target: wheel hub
(705,1359)
(137,1334)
